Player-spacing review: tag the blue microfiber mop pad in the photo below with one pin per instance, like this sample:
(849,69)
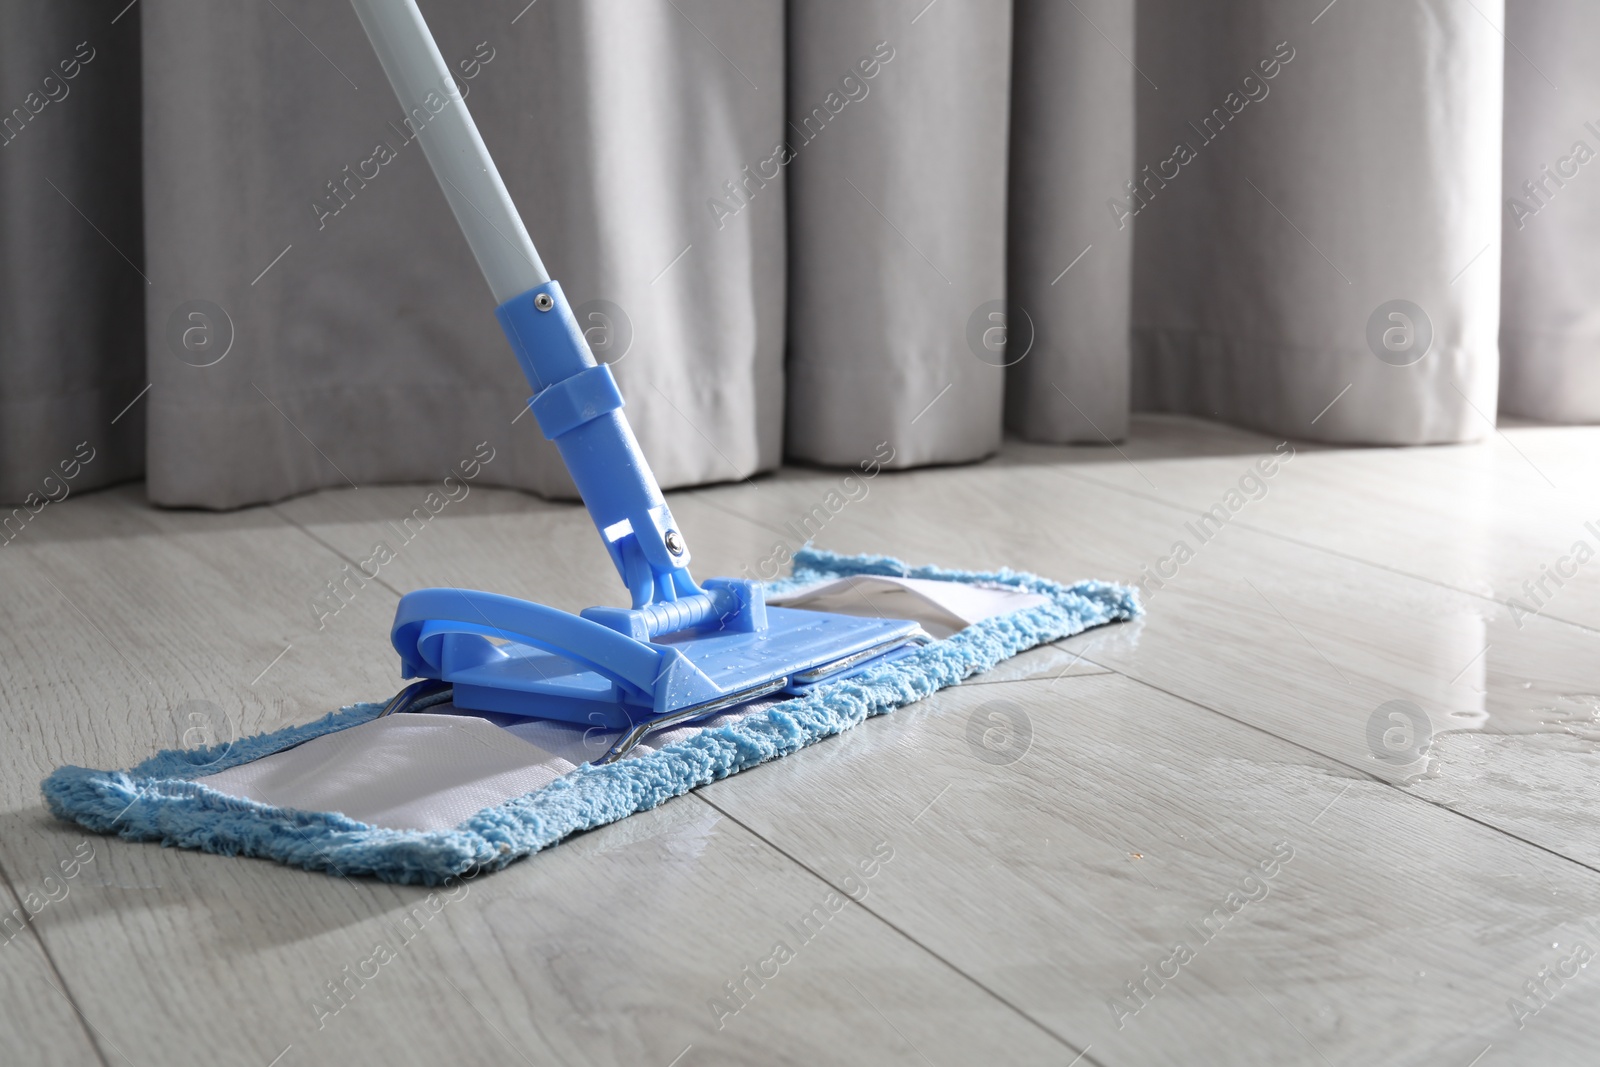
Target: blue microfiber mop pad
(158,801)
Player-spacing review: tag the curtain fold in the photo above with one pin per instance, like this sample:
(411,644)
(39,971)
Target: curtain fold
(1337,168)
(1550,325)
(71,253)
(897,228)
(812,230)
(289,197)
(1069,275)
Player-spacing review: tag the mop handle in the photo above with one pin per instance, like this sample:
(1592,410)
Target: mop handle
(438,116)
(576,401)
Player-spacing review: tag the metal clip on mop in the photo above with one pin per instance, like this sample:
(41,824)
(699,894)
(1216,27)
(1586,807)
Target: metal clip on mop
(682,651)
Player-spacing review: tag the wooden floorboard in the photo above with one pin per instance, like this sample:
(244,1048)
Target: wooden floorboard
(39,1022)
(612,949)
(1306,643)
(1482,518)
(1395,934)
(1166,756)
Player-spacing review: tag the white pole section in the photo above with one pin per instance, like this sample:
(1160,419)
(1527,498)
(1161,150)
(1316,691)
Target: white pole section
(438,117)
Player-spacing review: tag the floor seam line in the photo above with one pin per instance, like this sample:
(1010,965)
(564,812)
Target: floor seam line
(50,961)
(296,524)
(1311,546)
(1021,1013)
(1362,772)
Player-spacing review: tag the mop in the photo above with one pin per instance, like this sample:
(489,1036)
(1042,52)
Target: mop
(492,752)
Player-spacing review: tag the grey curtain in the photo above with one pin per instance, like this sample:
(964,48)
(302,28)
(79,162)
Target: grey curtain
(1069,277)
(72,285)
(1550,325)
(903,197)
(808,230)
(287,193)
(1364,172)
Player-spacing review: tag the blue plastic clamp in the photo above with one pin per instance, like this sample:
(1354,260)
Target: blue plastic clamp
(578,406)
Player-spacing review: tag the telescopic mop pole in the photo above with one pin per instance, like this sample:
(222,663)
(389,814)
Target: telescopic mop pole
(576,400)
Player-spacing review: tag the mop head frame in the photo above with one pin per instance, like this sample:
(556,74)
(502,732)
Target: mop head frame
(159,800)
